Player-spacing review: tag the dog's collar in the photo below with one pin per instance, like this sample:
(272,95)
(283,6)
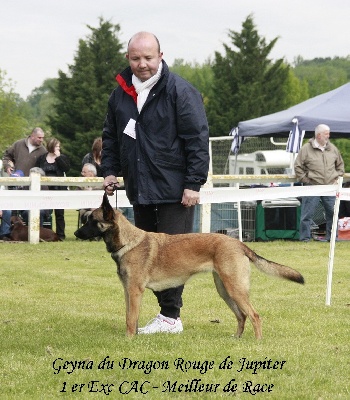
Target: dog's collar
(115,251)
(120,248)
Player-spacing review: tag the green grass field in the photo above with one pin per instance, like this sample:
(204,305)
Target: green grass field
(62,330)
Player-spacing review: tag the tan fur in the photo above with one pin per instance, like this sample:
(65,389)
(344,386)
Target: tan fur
(158,261)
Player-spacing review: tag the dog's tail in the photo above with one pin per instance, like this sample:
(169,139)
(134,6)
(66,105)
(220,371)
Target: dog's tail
(273,268)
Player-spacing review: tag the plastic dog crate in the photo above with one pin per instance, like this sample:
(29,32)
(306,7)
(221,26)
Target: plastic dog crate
(277,219)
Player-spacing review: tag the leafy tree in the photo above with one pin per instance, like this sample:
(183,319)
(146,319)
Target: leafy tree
(41,101)
(322,74)
(200,76)
(81,95)
(344,147)
(14,114)
(295,90)
(246,83)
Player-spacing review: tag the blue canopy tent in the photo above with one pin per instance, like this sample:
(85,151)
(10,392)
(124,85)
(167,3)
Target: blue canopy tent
(331,108)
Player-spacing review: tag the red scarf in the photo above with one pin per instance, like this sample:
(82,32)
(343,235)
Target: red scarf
(130,90)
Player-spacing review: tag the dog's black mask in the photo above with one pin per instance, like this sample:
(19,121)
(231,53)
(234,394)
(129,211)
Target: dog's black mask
(88,231)
(91,229)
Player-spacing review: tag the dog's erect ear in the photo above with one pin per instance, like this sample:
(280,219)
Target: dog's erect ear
(108,212)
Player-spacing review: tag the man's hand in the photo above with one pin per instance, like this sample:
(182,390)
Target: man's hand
(9,171)
(110,184)
(10,167)
(190,198)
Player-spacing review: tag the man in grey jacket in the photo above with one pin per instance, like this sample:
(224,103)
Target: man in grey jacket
(319,162)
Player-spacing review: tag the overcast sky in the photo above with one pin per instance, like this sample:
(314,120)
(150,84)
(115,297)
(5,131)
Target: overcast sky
(39,37)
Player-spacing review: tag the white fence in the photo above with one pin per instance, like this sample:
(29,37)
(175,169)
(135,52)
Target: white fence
(35,199)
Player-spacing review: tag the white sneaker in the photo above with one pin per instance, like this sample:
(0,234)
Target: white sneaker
(162,324)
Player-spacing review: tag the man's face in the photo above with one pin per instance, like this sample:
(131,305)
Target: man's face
(323,137)
(144,56)
(36,139)
(86,173)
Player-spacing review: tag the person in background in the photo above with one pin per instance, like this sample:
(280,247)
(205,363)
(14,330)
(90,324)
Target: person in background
(94,157)
(24,153)
(53,163)
(17,174)
(88,171)
(156,136)
(5,224)
(45,215)
(318,162)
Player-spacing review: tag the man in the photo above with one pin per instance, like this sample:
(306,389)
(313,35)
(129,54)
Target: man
(23,154)
(319,162)
(88,171)
(156,136)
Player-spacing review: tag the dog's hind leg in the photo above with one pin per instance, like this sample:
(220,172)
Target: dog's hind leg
(241,317)
(239,299)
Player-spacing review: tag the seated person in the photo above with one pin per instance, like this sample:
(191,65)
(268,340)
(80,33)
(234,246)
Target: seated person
(45,215)
(5,224)
(88,171)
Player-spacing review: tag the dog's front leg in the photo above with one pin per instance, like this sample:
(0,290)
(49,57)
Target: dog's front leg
(133,297)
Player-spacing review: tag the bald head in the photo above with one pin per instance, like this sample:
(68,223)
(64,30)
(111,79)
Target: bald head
(144,55)
(146,36)
(36,138)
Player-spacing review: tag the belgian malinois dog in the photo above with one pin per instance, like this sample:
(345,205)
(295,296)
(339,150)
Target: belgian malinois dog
(159,261)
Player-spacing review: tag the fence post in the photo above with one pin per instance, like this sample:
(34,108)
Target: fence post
(34,215)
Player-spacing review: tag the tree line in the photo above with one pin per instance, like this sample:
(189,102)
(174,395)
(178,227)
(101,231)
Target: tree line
(241,83)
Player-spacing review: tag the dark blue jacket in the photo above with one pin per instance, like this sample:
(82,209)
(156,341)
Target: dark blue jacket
(171,149)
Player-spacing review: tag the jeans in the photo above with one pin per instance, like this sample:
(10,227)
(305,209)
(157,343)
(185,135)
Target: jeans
(308,206)
(5,222)
(171,219)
